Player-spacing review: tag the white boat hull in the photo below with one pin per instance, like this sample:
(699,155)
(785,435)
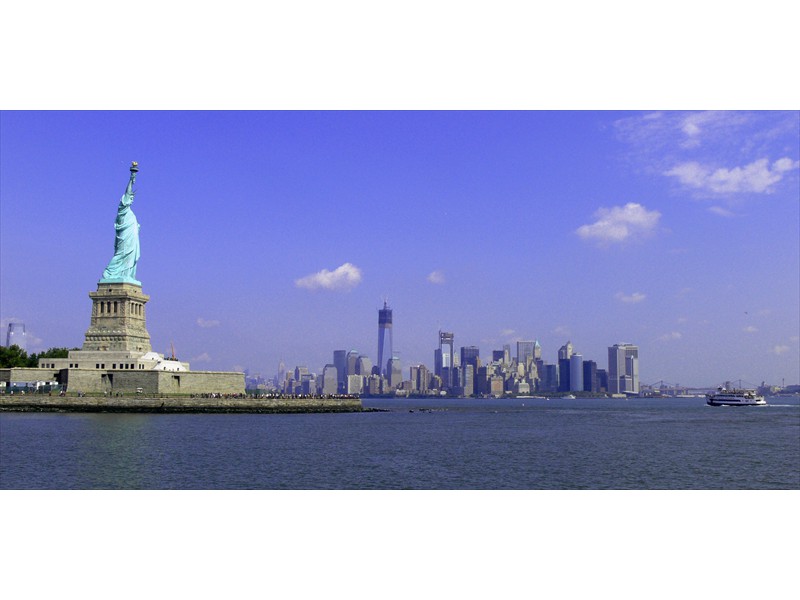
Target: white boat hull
(723,400)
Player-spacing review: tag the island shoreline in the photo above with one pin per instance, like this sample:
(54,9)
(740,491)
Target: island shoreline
(113,404)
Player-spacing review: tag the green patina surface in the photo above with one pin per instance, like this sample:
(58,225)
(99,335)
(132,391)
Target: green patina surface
(122,266)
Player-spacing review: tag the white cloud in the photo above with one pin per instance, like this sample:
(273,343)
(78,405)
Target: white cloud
(794,338)
(722,212)
(619,223)
(436,277)
(750,329)
(780,349)
(345,277)
(785,164)
(694,124)
(206,323)
(690,129)
(203,358)
(681,320)
(668,337)
(632,299)
(562,330)
(507,332)
(757,177)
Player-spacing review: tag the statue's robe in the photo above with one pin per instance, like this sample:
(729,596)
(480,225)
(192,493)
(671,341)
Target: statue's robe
(122,266)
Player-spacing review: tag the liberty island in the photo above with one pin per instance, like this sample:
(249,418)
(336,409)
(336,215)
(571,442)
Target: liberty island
(117,369)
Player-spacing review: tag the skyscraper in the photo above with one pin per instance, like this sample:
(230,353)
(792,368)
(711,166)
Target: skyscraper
(352,362)
(565,351)
(423,378)
(623,369)
(563,374)
(340,362)
(444,359)
(576,373)
(330,380)
(590,376)
(385,349)
(280,377)
(550,378)
(524,350)
(507,353)
(364,366)
(470,355)
(467,380)
(602,380)
(15,336)
(395,372)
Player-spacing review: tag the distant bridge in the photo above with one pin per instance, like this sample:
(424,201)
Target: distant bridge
(672,389)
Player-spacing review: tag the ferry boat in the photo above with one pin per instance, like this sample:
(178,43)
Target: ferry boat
(734,397)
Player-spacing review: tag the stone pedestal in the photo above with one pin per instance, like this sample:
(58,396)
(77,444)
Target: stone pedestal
(118,319)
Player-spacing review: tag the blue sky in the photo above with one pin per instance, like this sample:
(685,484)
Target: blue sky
(269,234)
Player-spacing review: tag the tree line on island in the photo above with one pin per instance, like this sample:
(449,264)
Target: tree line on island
(14,356)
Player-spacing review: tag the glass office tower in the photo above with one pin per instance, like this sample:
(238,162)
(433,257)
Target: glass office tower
(385,339)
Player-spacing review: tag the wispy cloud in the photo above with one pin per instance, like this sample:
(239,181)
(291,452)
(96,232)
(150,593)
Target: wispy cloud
(620,223)
(562,330)
(507,332)
(722,212)
(671,336)
(780,349)
(203,358)
(695,125)
(630,299)
(757,177)
(697,148)
(688,132)
(750,329)
(207,323)
(436,277)
(345,277)
(678,129)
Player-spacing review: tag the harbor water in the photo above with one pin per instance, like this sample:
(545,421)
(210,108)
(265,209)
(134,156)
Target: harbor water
(458,444)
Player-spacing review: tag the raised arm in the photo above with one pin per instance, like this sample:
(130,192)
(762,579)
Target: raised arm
(132,180)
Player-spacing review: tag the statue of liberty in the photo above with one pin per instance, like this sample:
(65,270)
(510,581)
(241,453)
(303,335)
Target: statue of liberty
(122,267)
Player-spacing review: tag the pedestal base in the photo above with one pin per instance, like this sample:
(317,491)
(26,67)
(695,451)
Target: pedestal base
(118,319)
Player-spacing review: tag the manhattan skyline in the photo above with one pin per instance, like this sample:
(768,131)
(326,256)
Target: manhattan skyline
(277,235)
